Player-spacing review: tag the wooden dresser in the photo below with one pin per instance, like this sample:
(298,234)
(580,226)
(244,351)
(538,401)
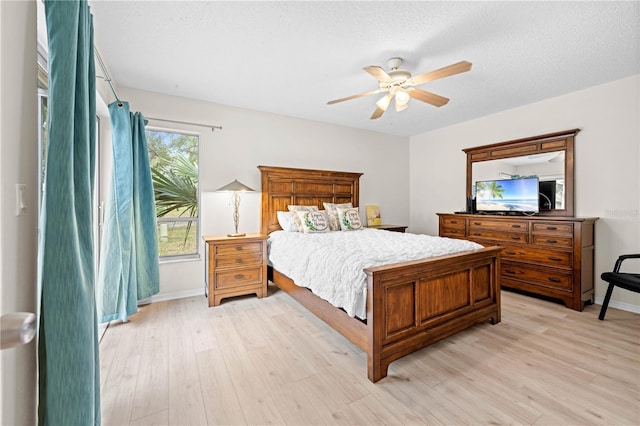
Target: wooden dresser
(235,266)
(548,256)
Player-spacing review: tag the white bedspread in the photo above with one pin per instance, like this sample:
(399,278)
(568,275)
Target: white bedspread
(331,264)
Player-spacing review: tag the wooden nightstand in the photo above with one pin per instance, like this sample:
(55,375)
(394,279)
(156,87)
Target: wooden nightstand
(235,266)
(395,228)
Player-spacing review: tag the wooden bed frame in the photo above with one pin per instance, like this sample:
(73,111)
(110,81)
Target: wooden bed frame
(409,305)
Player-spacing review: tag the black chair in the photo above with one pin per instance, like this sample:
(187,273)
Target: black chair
(624,280)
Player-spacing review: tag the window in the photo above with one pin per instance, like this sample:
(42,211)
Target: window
(174,167)
(43,140)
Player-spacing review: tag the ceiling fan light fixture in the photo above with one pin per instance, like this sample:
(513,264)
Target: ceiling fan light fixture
(383,103)
(400,106)
(402,97)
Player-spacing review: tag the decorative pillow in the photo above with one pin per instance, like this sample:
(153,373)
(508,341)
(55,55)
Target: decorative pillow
(349,219)
(296,218)
(314,221)
(331,208)
(285,219)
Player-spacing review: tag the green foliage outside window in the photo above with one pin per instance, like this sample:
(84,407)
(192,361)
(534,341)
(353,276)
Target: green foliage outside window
(174,168)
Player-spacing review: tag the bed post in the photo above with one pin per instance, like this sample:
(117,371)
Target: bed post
(375,369)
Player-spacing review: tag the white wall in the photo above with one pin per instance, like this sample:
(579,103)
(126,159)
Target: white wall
(18,165)
(607,155)
(251,138)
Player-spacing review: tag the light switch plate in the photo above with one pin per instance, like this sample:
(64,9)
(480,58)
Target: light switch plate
(21,206)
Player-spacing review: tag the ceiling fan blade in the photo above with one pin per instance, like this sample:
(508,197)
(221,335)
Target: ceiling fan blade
(378,73)
(428,97)
(458,68)
(372,92)
(377,113)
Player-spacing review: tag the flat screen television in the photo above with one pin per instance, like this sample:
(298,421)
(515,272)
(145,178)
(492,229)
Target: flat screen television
(508,196)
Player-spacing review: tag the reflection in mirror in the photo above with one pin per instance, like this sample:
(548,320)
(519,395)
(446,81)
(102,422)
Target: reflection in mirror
(549,167)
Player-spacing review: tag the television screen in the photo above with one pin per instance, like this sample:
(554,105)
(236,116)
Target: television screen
(508,195)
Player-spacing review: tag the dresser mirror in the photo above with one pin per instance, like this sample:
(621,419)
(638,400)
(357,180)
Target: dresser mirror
(549,157)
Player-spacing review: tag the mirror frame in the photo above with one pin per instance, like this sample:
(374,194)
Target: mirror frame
(560,141)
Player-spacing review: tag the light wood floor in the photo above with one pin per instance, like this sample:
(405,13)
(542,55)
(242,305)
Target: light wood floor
(269,361)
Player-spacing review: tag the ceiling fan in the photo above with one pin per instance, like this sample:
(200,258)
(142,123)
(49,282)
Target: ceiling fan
(400,84)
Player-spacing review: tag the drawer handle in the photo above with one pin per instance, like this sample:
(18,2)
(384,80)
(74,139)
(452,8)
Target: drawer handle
(477,234)
(515,226)
(238,260)
(554,258)
(477,223)
(454,221)
(453,231)
(510,271)
(510,252)
(551,228)
(554,280)
(238,248)
(239,276)
(552,241)
(515,238)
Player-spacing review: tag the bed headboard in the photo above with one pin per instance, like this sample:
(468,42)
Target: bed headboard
(282,186)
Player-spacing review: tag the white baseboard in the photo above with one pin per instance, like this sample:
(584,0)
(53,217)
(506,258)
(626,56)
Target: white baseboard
(619,305)
(161,297)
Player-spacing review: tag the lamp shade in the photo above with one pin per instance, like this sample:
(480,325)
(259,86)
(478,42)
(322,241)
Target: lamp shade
(235,186)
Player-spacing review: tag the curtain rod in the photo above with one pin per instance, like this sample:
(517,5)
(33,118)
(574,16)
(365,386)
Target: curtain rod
(107,78)
(213,127)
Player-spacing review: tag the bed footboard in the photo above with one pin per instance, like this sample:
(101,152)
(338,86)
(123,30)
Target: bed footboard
(414,304)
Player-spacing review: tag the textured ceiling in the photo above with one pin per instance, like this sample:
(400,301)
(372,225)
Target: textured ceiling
(291,58)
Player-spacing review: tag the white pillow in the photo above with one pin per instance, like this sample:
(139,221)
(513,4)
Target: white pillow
(331,208)
(349,219)
(294,209)
(285,219)
(314,221)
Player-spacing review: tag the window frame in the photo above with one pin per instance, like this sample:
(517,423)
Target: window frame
(187,256)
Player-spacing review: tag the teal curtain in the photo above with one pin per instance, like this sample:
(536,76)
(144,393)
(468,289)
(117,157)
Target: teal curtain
(129,269)
(68,359)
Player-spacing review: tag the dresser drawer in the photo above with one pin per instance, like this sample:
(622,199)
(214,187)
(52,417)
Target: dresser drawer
(243,259)
(497,235)
(453,222)
(237,249)
(452,232)
(553,228)
(551,240)
(551,279)
(499,225)
(238,277)
(539,256)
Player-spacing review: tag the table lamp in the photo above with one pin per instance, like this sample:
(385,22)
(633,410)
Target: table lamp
(235,187)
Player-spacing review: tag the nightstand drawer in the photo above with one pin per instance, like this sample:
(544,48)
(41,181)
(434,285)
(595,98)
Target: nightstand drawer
(237,249)
(244,259)
(238,277)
